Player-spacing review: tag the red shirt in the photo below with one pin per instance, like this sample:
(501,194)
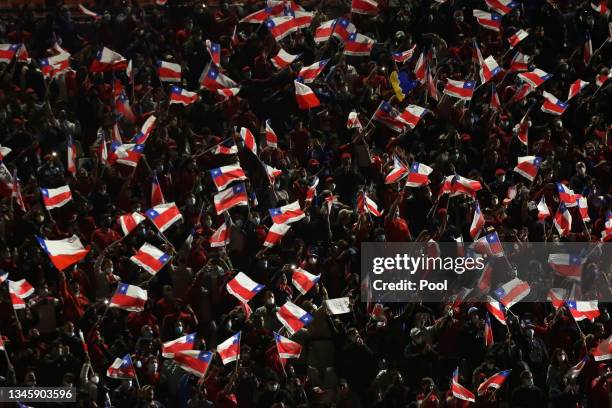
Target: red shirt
(396,230)
(103,237)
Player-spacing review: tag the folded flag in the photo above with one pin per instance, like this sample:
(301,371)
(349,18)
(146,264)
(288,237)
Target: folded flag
(150,258)
(517,37)
(364,7)
(305,97)
(478,221)
(213,80)
(283,59)
(249,140)
(164,215)
(528,166)
(420,68)
(552,105)
(488,332)
(496,309)
(223,176)
(459,89)
(276,234)
(168,71)
(310,73)
(412,115)
(214,50)
(231,197)
(56,197)
(220,237)
(195,362)
(358,45)
(543,210)
(489,69)
(401,57)
(129,297)
(129,221)
(287,214)
(512,292)
(303,280)
(187,342)
(563,220)
(566,265)
(587,50)
(108,60)
(293,317)
(534,78)
(458,390)
(491,21)
(583,309)
(229,350)
(418,175)
(495,381)
(122,369)
(271,138)
(145,130)
(366,205)
(180,95)
(398,172)
(243,288)
(576,88)
(64,252)
(287,348)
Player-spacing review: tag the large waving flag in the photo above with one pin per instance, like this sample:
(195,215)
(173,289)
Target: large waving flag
(287,348)
(401,57)
(491,21)
(456,185)
(563,220)
(567,265)
(489,69)
(310,73)
(184,343)
(293,317)
(389,116)
(567,195)
(231,197)
(220,237)
(364,7)
(195,362)
(412,115)
(122,369)
(168,71)
(249,140)
(108,60)
(130,221)
(576,88)
(458,390)
(281,27)
(358,45)
(229,350)
(418,175)
(129,297)
(324,31)
(287,214)
(517,37)
(534,78)
(283,59)
(214,80)
(222,176)
(460,89)
(581,309)
(304,280)
(512,292)
(528,166)
(553,105)
(182,96)
(145,130)
(56,197)
(64,252)
(495,381)
(503,7)
(243,287)
(398,172)
(276,234)
(150,258)
(164,215)
(305,97)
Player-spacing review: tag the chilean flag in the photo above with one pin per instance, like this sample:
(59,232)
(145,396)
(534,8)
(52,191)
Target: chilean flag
(488,332)
(494,103)
(276,234)
(528,166)
(226,147)
(127,154)
(517,37)
(293,317)
(503,7)
(262,15)
(489,69)
(478,221)
(601,8)
(281,27)
(563,220)
(577,369)
(412,115)
(323,31)
(496,309)
(287,348)
(220,237)
(229,350)
(606,234)
(566,265)
(358,45)
(271,138)
(3,275)
(534,78)
(18,303)
(389,116)
(230,197)
(179,95)
(366,205)
(459,89)
(603,351)
(56,197)
(495,381)
(71,160)
(89,13)
(343,28)
(587,50)
(418,175)
(181,344)
(228,92)
(129,297)
(4,151)
(21,288)
(310,73)
(122,369)
(492,21)
(64,252)
(489,245)
(249,140)
(306,99)
(214,50)
(168,71)
(129,221)
(402,56)
(455,185)
(108,60)
(157,196)
(303,280)
(195,362)
(583,309)
(458,390)
(150,258)
(243,287)
(576,88)
(312,190)
(283,59)
(557,297)
(164,215)
(583,208)
(222,176)
(145,130)
(213,80)
(566,195)
(352,122)
(287,214)
(398,171)
(512,292)
(272,173)
(601,79)
(364,7)
(543,210)
(552,105)
(122,106)
(302,19)
(520,62)
(7,52)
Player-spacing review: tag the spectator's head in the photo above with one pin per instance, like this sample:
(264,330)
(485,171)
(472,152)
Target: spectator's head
(527,378)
